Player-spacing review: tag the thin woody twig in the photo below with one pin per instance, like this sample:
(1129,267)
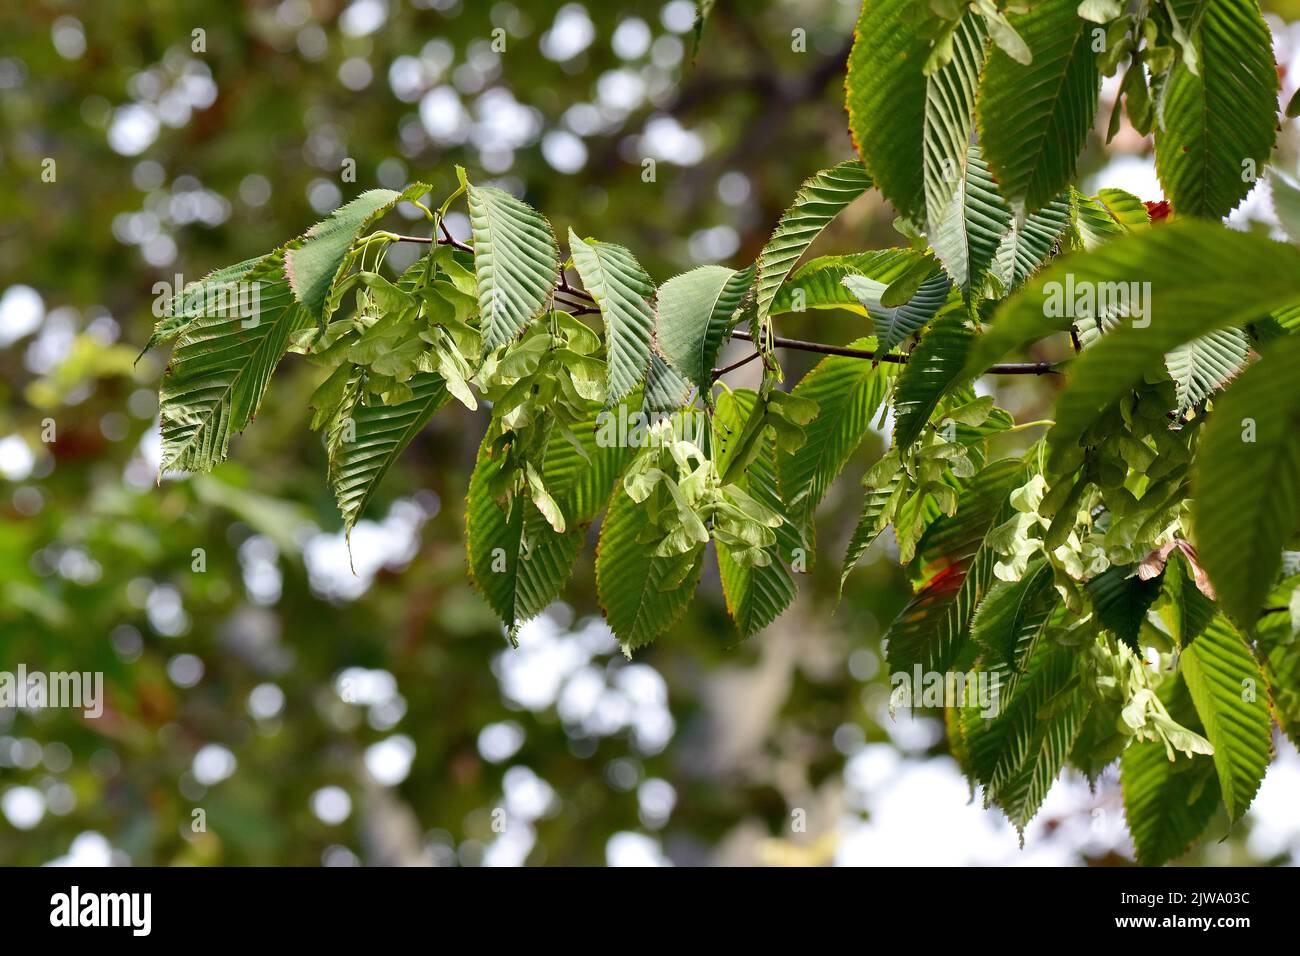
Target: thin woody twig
(719,372)
(447,240)
(1006,368)
(588,308)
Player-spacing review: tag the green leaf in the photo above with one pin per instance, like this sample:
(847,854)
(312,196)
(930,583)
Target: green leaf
(625,295)
(642,595)
(1019,753)
(1003,33)
(1246,481)
(221,366)
(1287,317)
(1202,366)
(1121,601)
(1201,276)
(517,559)
(695,309)
(1109,214)
(933,367)
(912,130)
(583,481)
(1011,620)
(896,323)
(1188,611)
(1280,655)
(217,291)
(1126,209)
(1286,204)
(819,200)
(1217,123)
(329,395)
(665,390)
(932,630)
(380,433)
(516,261)
(1026,247)
(967,236)
(1231,698)
(1168,804)
(1034,118)
(848,393)
(871,522)
(1100,741)
(755,595)
(819,283)
(314,264)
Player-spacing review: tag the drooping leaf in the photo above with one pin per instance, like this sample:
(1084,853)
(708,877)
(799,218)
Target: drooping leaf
(1034,118)
(1188,610)
(1286,204)
(871,522)
(1121,600)
(694,311)
(966,238)
(1010,621)
(642,594)
(1231,698)
(912,130)
(216,291)
(1279,653)
(221,366)
(665,388)
(1202,366)
(625,295)
(516,262)
(517,559)
(1219,126)
(1020,752)
(819,200)
(1168,804)
(848,393)
(933,367)
(933,629)
(1029,242)
(1246,482)
(1100,741)
(379,434)
(755,595)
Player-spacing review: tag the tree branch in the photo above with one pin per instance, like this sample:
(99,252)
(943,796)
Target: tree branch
(719,372)
(1008,368)
(575,308)
(449,239)
(588,308)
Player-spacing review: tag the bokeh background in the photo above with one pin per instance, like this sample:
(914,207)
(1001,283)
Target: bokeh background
(276,708)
